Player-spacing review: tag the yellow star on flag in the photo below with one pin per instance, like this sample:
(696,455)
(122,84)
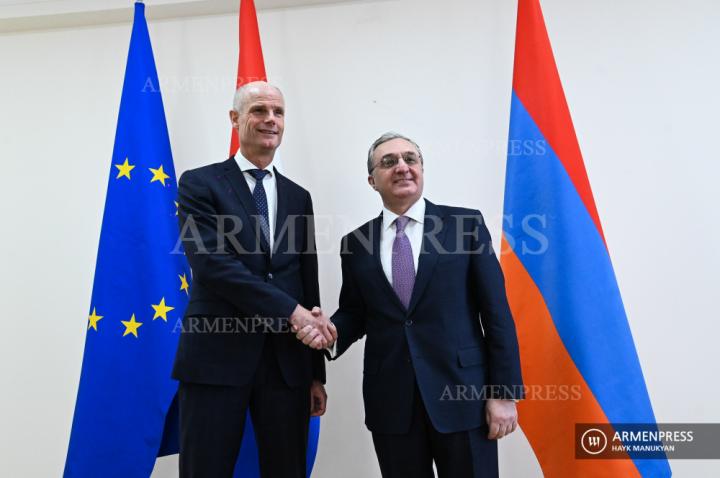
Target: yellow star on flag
(93,320)
(158,175)
(131,326)
(161,310)
(184,284)
(176,207)
(124,169)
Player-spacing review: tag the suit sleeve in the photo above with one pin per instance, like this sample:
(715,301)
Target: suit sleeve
(350,316)
(311,286)
(497,321)
(213,265)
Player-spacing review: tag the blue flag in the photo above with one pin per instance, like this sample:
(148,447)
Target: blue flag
(124,414)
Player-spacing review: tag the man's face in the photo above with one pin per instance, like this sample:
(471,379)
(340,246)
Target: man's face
(402,182)
(261,123)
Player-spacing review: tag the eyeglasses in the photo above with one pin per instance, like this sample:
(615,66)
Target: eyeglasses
(390,161)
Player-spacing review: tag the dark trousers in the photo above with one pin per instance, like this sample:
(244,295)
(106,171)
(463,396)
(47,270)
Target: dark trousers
(467,454)
(212,420)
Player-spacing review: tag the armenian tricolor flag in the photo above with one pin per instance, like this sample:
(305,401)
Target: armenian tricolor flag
(578,356)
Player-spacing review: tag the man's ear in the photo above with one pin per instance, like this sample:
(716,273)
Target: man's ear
(234,115)
(371,182)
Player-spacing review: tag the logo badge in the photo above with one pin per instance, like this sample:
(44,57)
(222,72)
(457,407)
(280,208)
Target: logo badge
(593,441)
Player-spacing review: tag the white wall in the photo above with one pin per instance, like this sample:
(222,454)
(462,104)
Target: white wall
(641,80)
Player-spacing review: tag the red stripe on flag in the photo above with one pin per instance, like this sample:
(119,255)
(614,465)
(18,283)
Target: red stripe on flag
(557,395)
(251,66)
(537,83)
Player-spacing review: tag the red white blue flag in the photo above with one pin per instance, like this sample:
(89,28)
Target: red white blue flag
(251,67)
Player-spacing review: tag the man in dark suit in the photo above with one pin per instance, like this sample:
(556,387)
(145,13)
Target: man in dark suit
(441,366)
(248,234)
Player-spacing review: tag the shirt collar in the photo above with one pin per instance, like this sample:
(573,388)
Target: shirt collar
(244,164)
(416,213)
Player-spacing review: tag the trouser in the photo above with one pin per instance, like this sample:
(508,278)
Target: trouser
(212,421)
(466,454)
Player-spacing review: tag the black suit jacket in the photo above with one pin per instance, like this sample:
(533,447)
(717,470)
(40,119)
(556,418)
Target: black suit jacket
(241,295)
(439,341)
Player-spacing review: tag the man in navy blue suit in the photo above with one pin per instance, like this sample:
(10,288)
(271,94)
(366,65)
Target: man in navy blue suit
(441,365)
(248,234)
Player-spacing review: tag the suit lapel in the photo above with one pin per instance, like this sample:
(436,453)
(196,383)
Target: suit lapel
(282,211)
(242,191)
(433,234)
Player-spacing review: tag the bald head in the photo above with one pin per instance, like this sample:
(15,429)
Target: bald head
(258,115)
(253,89)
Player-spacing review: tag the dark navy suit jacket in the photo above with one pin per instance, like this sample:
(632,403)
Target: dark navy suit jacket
(457,335)
(242,294)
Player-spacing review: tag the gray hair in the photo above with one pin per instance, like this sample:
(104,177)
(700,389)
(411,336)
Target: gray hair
(243,93)
(389,136)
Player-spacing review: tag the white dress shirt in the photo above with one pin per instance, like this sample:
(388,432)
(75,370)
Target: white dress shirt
(413,230)
(270,185)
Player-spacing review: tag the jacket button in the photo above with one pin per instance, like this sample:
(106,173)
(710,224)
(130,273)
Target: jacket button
(408,322)
(269,277)
(408,359)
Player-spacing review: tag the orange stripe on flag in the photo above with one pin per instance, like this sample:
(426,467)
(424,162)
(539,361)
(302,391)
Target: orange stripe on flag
(557,395)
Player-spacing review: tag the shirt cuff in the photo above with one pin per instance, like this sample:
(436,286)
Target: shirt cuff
(332,350)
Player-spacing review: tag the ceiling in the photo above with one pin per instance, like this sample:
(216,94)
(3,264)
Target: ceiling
(25,15)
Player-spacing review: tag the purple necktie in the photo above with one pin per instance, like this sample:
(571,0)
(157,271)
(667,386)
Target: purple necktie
(403,267)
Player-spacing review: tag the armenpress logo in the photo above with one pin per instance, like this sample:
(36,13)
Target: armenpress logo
(593,441)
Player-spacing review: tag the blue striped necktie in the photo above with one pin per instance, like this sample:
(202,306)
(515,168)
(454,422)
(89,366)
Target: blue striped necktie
(260,198)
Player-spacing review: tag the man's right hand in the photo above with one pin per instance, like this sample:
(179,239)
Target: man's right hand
(314,329)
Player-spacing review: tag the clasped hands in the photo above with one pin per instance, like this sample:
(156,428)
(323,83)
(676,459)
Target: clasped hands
(313,328)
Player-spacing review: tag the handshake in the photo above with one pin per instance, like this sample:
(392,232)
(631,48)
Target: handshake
(313,328)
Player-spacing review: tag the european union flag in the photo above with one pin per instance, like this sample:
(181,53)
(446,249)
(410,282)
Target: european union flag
(140,291)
